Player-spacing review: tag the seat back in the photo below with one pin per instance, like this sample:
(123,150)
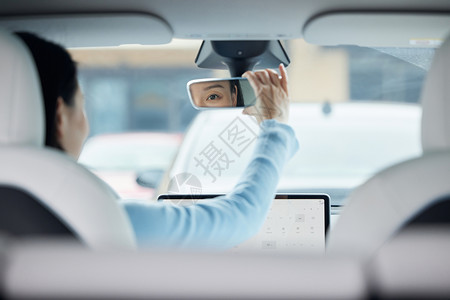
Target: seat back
(383,205)
(46,187)
(22,215)
(413,265)
(35,268)
(436,213)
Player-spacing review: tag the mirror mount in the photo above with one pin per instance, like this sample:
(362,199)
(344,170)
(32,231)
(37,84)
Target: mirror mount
(240,67)
(241,56)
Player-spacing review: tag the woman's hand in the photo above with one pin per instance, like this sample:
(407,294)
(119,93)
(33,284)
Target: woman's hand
(272,96)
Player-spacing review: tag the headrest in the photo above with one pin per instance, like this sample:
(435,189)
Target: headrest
(436,102)
(21,105)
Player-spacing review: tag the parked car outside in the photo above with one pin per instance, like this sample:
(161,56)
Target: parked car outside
(121,159)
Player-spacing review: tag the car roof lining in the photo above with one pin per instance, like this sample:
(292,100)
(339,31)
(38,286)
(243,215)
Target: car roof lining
(94,30)
(223,19)
(378,29)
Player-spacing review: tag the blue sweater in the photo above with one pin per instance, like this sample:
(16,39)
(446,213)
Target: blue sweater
(228,220)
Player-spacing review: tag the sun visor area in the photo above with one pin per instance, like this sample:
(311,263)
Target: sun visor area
(94,30)
(378,29)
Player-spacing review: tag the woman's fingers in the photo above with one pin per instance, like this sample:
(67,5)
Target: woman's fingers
(263,77)
(284,78)
(266,77)
(272,97)
(274,79)
(253,80)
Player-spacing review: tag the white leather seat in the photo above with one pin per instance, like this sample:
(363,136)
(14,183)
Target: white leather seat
(82,201)
(35,268)
(415,264)
(380,207)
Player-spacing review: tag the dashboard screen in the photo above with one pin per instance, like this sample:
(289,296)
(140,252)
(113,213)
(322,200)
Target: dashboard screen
(295,223)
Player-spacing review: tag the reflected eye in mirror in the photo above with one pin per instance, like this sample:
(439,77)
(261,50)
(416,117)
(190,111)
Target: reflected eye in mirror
(213,97)
(219,93)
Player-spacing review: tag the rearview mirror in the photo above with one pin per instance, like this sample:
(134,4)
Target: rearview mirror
(216,93)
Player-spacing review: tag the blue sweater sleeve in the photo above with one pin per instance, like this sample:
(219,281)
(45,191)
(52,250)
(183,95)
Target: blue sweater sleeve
(230,219)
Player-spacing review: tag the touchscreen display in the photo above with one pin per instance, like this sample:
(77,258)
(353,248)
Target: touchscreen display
(292,225)
(295,223)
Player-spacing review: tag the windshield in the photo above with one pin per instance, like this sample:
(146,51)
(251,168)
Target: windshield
(121,153)
(355,111)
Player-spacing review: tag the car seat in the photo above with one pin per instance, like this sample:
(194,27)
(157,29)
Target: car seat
(44,191)
(414,264)
(412,191)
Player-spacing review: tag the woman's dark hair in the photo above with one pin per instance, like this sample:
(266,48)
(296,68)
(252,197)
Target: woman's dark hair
(58,76)
(235,85)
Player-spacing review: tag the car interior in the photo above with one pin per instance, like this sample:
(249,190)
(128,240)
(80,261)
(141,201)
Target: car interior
(63,234)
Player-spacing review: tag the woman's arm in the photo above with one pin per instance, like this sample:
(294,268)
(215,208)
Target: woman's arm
(226,221)
(231,219)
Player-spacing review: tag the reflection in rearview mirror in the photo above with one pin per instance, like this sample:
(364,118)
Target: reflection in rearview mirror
(216,93)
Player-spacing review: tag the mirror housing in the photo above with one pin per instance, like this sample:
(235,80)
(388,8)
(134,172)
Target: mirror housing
(241,56)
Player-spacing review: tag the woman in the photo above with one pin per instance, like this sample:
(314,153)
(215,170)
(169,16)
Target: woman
(222,223)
